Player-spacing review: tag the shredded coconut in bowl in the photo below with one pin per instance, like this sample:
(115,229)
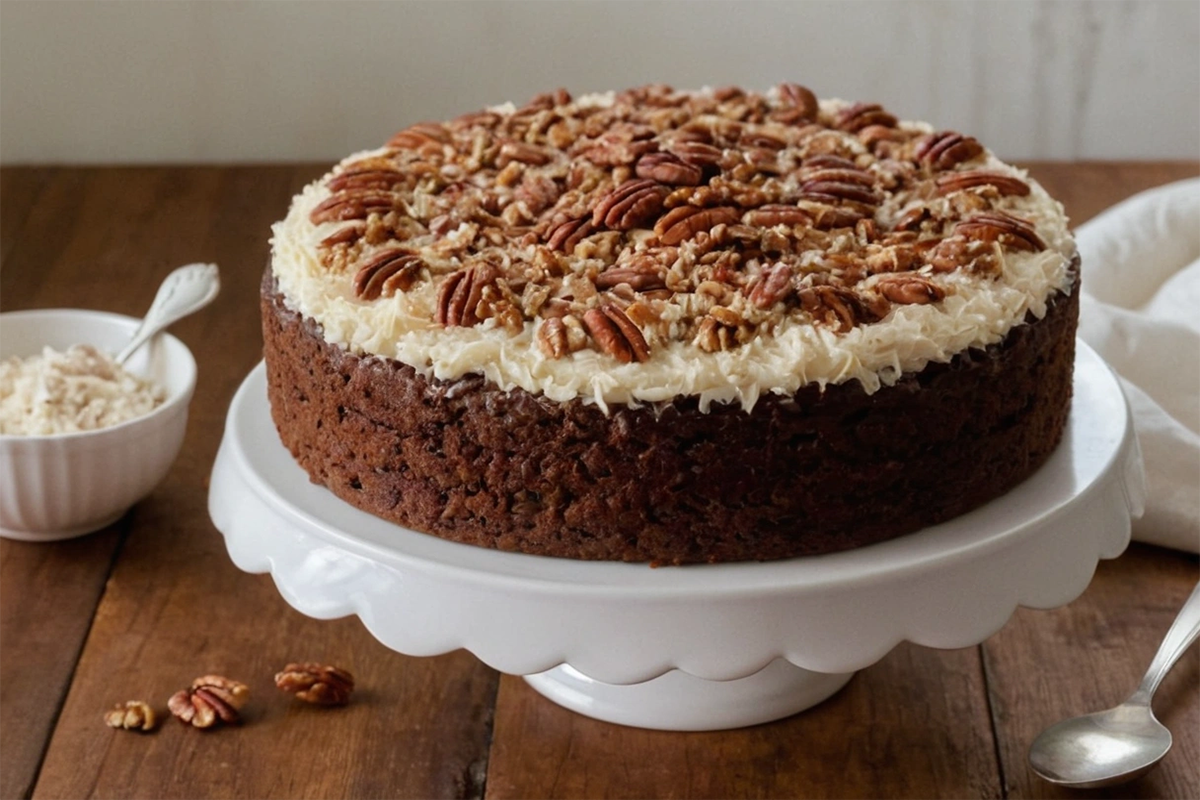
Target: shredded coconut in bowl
(81,389)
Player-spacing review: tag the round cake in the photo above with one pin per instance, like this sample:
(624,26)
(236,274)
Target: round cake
(669,326)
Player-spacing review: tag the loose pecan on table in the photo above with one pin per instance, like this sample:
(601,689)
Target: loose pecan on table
(316,683)
(211,699)
(134,715)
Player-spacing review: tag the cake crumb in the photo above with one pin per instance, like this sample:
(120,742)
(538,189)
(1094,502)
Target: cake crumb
(79,389)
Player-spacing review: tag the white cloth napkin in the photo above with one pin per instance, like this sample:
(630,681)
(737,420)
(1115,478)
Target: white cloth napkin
(1140,310)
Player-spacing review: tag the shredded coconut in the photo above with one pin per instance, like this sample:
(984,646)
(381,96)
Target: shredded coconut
(81,389)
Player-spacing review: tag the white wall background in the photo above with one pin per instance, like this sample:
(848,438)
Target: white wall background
(126,82)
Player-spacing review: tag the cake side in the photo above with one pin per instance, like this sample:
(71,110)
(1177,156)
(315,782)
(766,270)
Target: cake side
(821,470)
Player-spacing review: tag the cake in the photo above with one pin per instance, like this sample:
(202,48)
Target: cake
(671,327)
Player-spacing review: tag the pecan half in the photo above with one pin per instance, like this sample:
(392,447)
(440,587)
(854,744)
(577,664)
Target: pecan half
(860,115)
(316,683)
(617,148)
(797,104)
(524,153)
(911,220)
(909,288)
(776,285)
(460,293)
(211,699)
(420,136)
(615,334)
(135,715)
(700,154)
(942,150)
(959,252)
(360,179)
(386,272)
(670,169)
(350,205)
(563,236)
(345,235)
(770,215)
(839,308)
(840,183)
(630,205)
(958,181)
(683,223)
(640,279)
(1006,229)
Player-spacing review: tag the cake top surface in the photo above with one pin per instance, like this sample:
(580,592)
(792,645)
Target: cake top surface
(642,245)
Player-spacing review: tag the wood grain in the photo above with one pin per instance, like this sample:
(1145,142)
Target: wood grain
(875,738)
(19,191)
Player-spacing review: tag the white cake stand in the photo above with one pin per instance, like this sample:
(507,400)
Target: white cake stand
(685,648)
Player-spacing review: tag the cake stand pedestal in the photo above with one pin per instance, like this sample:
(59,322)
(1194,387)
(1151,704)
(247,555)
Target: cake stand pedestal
(700,647)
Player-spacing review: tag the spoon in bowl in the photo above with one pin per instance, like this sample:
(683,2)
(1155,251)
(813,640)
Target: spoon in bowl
(188,288)
(1122,743)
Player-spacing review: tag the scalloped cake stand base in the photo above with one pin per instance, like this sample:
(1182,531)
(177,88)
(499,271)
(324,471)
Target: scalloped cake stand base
(700,647)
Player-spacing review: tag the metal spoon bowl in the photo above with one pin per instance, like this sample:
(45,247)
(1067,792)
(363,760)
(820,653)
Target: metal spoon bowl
(186,290)
(1122,743)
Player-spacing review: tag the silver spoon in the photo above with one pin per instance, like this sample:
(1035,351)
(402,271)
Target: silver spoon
(187,289)
(1122,743)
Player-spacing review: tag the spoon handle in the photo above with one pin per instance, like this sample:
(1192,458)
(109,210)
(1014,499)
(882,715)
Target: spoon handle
(188,288)
(1183,632)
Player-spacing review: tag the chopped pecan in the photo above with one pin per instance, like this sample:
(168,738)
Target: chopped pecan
(670,169)
(386,272)
(942,150)
(911,220)
(797,105)
(615,334)
(683,223)
(621,146)
(316,683)
(630,205)
(135,715)
(565,235)
(837,307)
(715,334)
(776,285)
(537,192)
(860,115)
(211,699)
(460,293)
(909,288)
(949,182)
(770,215)
(1006,229)
(829,161)
(826,216)
(421,136)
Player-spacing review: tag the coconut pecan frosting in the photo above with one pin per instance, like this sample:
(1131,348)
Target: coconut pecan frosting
(652,221)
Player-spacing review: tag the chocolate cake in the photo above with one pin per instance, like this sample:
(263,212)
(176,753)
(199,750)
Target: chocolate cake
(671,326)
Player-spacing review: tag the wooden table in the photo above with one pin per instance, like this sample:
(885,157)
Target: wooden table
(141,608)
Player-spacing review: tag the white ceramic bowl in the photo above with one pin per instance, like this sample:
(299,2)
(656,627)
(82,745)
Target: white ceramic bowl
(65,485)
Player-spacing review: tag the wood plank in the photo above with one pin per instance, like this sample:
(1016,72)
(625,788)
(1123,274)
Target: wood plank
(913,725)
(19,190)
(1091,654)
(176,607)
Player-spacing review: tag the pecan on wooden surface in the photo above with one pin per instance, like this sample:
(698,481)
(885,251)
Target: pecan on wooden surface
(209,701)
(316,683)
(134,715)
